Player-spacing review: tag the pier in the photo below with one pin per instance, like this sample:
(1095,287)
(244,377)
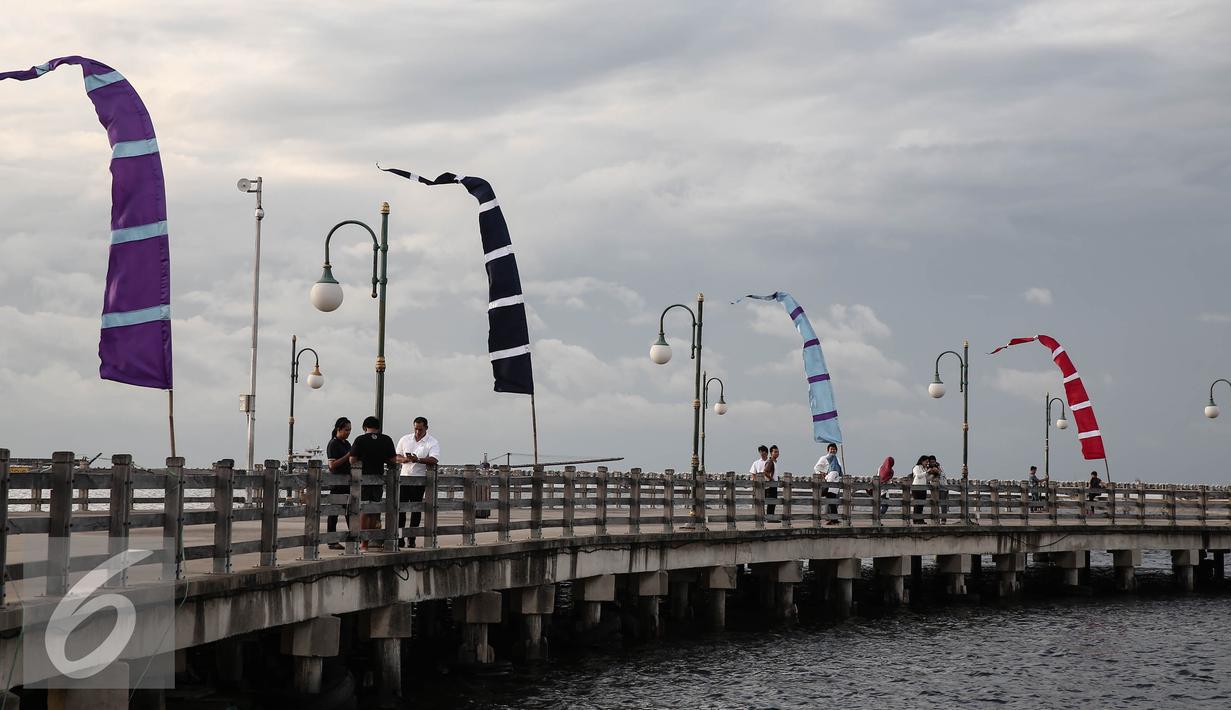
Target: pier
(496,543)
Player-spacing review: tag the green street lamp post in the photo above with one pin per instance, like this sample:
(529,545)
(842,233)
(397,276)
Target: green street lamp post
(327,292)
(1211,410)
(937,390)
(1061,423)
(660,353)
(720,408)
(315,380)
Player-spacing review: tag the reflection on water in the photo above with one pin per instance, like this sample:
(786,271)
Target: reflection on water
(1152,650)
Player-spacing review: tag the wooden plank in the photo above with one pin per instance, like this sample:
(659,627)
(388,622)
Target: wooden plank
(758,502)
(787,482)
(4,520)
(431,506)
(119,509)
(393,502)
(312,513)
(570,500)
(600,502)
(269,514)
(536,503)
(668,500)
(60,525)
(634,501)
(468,498)
(503,475)
(223,515)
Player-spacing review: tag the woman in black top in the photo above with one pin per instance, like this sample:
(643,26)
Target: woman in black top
(339,465)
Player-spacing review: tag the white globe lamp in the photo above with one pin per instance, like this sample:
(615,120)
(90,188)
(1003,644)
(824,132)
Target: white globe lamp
(660,352)
(937,388)
(327,292)
(316,379)
(720,407)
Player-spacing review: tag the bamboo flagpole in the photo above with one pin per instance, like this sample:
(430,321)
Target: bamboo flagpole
(171,418)
(534,424)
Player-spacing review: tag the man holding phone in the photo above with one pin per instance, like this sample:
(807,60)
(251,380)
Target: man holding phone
(416,451)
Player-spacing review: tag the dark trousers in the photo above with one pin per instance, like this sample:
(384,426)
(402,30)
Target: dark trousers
(331,523)
(771,493)
(919,497)
(832,508)
(409,494)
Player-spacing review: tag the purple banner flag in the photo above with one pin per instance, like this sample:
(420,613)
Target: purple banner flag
(135,344)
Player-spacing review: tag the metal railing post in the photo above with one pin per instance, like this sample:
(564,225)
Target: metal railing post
(729,495)
(393,506)
(668,500)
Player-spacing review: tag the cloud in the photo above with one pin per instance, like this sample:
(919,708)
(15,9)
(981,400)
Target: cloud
(1038,296)
(1217,318)
(1026,384)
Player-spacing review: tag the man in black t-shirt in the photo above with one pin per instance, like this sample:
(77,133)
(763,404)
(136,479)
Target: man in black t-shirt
(374,451)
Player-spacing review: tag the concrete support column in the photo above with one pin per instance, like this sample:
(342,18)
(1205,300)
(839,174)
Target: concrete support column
(891,574)
(717,581)
(1220,569)
(532,604)
(679,594)
(473,615)
(593,591)
(954,568)
(650,588)
(387,627)
(310,642)
(838,577)
(229,662)
(1071,564)
(778,580)
(1182,563)
(1126,563)
(114,698)
(1009,568)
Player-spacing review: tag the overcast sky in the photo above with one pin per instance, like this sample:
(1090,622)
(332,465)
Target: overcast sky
(913,173)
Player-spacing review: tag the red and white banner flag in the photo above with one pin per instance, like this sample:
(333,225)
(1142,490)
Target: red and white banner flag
(1079,401)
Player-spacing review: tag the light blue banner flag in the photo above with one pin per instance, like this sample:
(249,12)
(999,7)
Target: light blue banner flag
(825,427)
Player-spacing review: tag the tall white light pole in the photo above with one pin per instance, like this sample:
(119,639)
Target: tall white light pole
(248,401)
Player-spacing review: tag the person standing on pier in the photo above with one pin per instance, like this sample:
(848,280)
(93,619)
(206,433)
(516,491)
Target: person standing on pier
(417,450)
(336,451)
(758,466)
(885,475)
(374,451)
(770,470)
(1034,488)
(919,477)
(1094,489)
(831,466)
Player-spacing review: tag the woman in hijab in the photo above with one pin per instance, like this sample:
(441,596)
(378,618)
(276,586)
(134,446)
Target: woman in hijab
(885,475)
(919,477)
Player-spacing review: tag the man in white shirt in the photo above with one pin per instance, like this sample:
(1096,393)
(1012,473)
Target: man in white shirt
(758,466)
(831,467)
(416,451)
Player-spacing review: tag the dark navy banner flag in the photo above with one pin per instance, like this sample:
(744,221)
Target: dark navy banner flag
(135,344)
(508,337)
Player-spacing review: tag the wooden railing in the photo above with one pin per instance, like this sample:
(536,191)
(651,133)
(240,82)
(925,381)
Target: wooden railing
(506,501)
